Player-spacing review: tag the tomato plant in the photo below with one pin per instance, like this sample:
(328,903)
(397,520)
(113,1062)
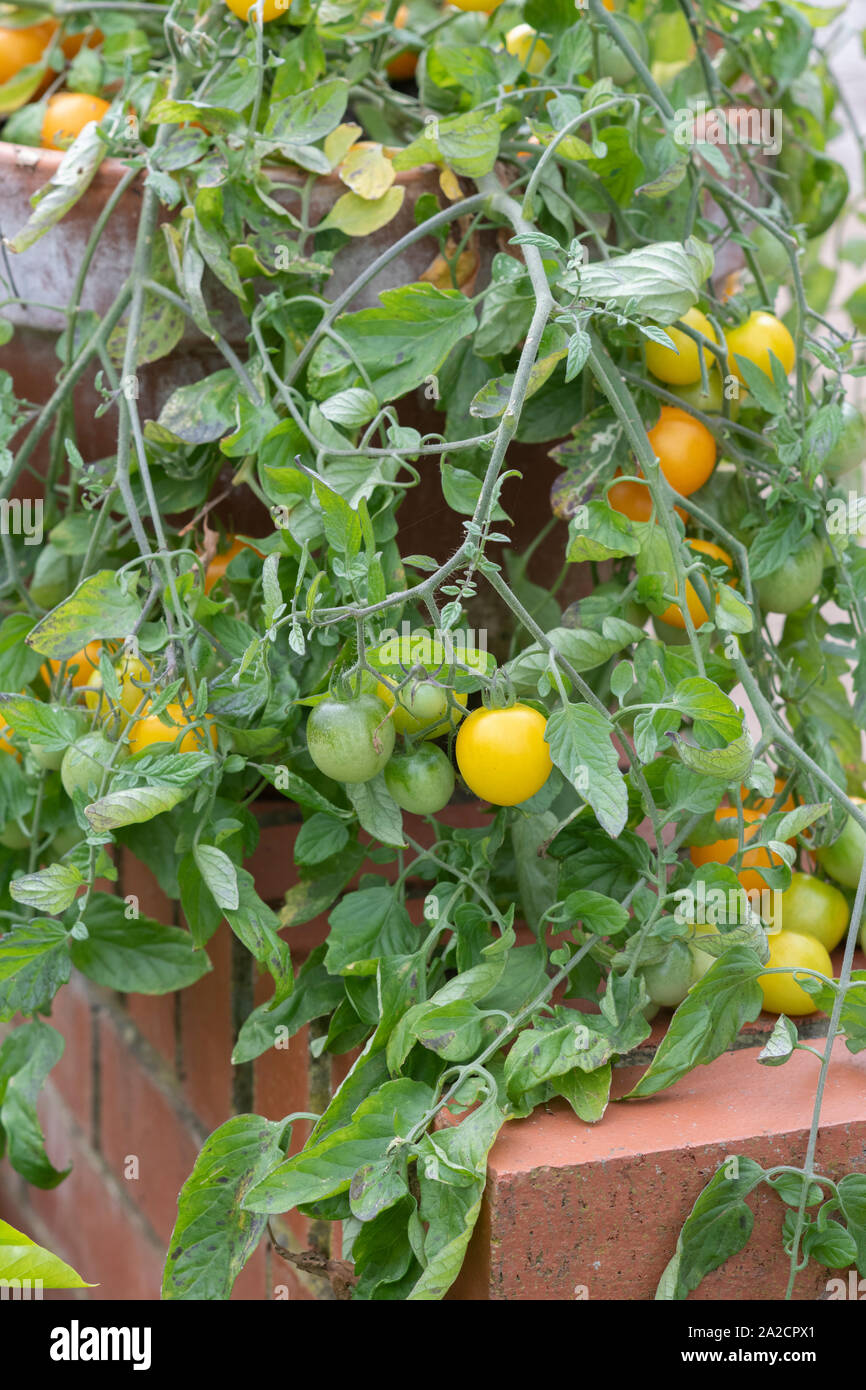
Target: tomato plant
(390,263)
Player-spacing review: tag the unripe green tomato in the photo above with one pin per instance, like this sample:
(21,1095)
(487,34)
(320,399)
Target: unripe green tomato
(47,758)
(350,740)
(13,837)
(849,451)
(669,980)
(711,401)
(421,780)
(612,62)
(773,260)
(84,764)
(795,582)
(843,860)
(66,838)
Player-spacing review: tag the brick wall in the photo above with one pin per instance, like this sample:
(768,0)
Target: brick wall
(143,1081)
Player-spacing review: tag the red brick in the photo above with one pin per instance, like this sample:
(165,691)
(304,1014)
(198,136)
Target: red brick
(252,1283)
(88,1218)
(72,1016)
(155,1017)
(140,1119)
(272,864)
(571,1205)
(206,1036)
(137,879)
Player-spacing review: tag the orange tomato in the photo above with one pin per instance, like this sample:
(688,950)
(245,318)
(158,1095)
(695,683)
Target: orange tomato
(685,449)
(673,614)
(66,115)
(765,804)
(73,43)
(220,563)
(80,667)
(401,68)
(634,500)
(722,851)
(21,47)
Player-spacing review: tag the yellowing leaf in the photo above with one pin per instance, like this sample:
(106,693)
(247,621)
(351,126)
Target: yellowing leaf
(367,172)
(339,142)
(438,273)
(360,216)
(450,185)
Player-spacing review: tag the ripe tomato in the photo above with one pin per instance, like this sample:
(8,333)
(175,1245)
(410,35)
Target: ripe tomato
(5,745)
(795,582)
(502,755)
(80,668)
(420,780)
(681,365)
(477,6)
(272,9)
(85,762)
(843,860)
(673,614)
(634,500)
(849,451)
(19,48)
(220,563)
(401,68)
(766,804)
(685,449)
(66,115)
(722,851)
(813,908)
(782,994)
(523,42)
(755,339)
(422,706)
(149,729)
(73,43)
(350,740)
(132,673)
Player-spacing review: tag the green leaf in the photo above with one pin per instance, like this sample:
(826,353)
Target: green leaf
(851,1191)
(98,607)
(308,116)
(830,1244)
(254,924)
(470,144)
(219,874)
(201,912)
(23,1262)
(320,837)
(18,663)
(581,747)
(377,811)
(214,1235)
(728,764)
(779,1047)
(718,1226)
(706,1023)
(377,1186)
(366,925)
(69,182)
(326,1168)
(34,963)
(316,994)
(52,727)
(587,1092)
(50,890)
(134,806)
(665,279)
(199,413)
(135,954)
(27,1055)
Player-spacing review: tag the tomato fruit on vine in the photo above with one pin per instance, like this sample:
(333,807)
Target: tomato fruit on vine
(523,42)
(723,851)
(220,562)
(20,48)
(66,115)
(477,6)
(754,340)
(843,860)
(681,364)
(149,729)
(849,451)
(612,62)
(85,762)
(420,780)
(766,804)
(782,994)
(670,979)
(502,755)
(403,66)
(795,582)
(350,740)
(271,9)
(771,256)
(422,706)
(685,449)
(812,907)
(80,668)
(711,401)
(634,500)
(673,614)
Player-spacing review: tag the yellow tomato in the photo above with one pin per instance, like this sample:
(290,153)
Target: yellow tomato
(5,745)
(782,994)
(246,9)
(19,48)
(755,339)
(673,614)
(130,670)
(812,907)
(683,366)
(66,115)
(502,755)
(149,729)
(523,42)
(477,6)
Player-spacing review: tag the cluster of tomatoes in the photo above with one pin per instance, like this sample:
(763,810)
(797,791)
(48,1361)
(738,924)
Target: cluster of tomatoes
(66,112)
(501,752)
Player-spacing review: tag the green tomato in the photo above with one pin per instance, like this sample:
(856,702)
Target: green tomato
(47,758)
(849,451)
(421,781)
(350,740)
(668,982)
(773,260)
(13,837)
(66,838)
(795,582)
(843,860)
(711,401)
(612,62)
(84,764)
